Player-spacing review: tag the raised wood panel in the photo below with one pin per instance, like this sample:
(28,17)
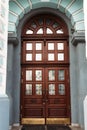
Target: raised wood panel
(33,112)
(57,101)
(57,112)
(32,101)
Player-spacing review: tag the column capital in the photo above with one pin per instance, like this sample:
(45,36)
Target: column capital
(12,38)
(78,38)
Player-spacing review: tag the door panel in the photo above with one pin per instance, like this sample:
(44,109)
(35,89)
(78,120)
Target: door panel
(56,94)
(33,82)
(45,92)
(45,52)
(45,82)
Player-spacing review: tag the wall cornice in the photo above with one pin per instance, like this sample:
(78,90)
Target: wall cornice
(12,38)
(78,38)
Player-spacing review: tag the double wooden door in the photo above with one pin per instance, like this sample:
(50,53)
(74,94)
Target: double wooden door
(45,94)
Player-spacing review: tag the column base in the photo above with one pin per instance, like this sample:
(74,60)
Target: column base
(4,112)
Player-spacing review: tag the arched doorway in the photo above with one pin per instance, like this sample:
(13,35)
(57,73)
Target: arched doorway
(45,88)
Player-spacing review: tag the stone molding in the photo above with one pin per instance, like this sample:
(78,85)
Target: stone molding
(78,38)
(12,38)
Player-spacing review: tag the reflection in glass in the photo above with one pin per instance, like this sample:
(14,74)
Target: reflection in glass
(60,31)
(29,32)
(38,46)
(61,89)
(29,75)
(38,57)
(28,57)
(51,89)
(51,74)
(50,46)
(49,31)
(33,25)
(40,31)
(40,21)
(48,21)
(60,46)
(29,46)
(61,75)
(38,89)
(28,89)
(60,56)
(55,25)
(38,74)
(50,57)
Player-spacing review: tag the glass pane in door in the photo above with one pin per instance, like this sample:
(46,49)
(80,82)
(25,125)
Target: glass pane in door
(61,88)
(28,57)
(28,90)
(51,89)
(38,46)
(29,75)
(29,46)
(38,57)
(60,46)
(60,56)
(38,74)
(61,75)
(50,46)
(51,75)
(51,57)
(38,89)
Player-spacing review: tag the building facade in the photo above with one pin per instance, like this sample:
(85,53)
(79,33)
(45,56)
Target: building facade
(71,14)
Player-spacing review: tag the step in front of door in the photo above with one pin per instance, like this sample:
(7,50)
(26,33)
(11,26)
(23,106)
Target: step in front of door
(46,127)
(43,121)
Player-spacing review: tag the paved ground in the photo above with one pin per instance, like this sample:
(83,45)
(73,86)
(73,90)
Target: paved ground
(72,128)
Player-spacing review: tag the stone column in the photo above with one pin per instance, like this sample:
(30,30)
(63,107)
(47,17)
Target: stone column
(78,41)
(85,113)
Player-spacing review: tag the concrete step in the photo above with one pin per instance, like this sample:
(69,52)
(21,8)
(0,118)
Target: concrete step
(46,127)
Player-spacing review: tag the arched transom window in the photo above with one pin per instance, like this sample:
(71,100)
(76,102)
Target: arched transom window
(45,25)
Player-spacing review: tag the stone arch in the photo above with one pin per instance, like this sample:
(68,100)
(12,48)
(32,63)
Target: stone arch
(17,10)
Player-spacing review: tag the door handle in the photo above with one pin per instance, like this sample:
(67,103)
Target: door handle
(44,92)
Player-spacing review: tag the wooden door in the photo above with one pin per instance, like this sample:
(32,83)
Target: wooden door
(45,94)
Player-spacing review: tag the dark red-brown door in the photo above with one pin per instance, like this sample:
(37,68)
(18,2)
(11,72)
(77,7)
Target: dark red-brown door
(45,94)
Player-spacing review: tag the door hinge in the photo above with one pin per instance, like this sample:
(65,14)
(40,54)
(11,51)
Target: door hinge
(21,115)
(21,107)
(69,107)
(68,80)
(22,73)
(67,73)
(21,80)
